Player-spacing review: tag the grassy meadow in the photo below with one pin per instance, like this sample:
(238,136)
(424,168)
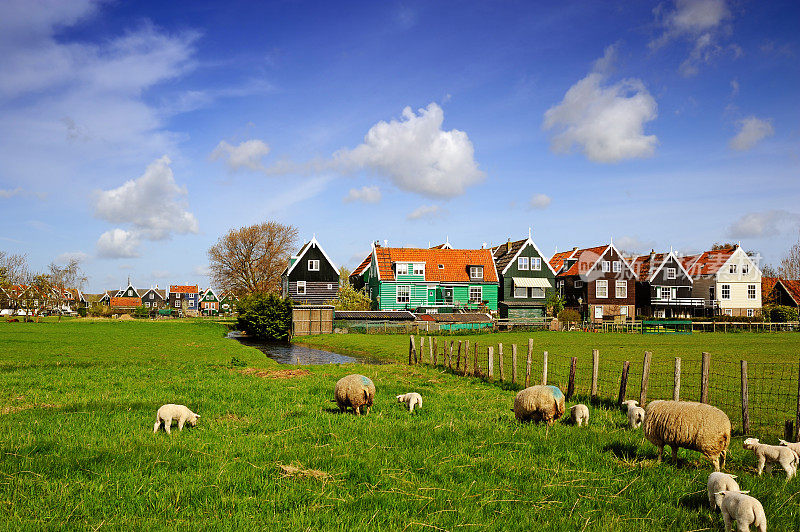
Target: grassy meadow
(77,450)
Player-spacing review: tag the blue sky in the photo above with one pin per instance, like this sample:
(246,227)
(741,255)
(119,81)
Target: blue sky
(133,135)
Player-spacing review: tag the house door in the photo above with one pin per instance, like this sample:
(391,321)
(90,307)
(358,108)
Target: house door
(598,312)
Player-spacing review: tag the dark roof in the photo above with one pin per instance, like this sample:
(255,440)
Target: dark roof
(502,256)
(363,266)
(383,315)
(466,317)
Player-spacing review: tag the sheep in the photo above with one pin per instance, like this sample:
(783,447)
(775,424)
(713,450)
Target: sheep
(579,414)
(635,416)
(411,399)
(771,454)
(720,482)
(356,391)
(742,508)
(169,413)
(696,426)
(629,403)
(793,446)
(539,403)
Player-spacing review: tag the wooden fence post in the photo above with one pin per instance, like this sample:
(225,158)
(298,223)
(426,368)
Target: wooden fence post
(571,385)
(528,366)
(513,363)
(544,369)
(450,355)
(458,358)
(745,414)
(412,349)
(676,387)
(436,351)
(475,370)
(797,417)
(623,381)
(490,362)
(466,358)
(704,371)
(645,379)
(422,349)
(595,369)
(788,430)
(430,348)
(500,361)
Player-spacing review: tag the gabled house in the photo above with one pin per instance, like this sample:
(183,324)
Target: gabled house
(209,302)
(311,277)
(154,298)
(227,303)
(126,300)
(597,282)
(776,291)
(184,298)
(430,280)
(664,287)
(728,280)
(526,279)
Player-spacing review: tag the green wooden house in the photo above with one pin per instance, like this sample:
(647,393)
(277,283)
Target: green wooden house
(428,280)
(526,279)
(227,303)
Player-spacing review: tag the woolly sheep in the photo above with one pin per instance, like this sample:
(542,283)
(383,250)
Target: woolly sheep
(742,508)
(793,446)
(720,482)
(356,391)
(696,426)
(635,416)
(169,413)
(629,403)
(579,414)
(772,454)
(411,400)
(539,403)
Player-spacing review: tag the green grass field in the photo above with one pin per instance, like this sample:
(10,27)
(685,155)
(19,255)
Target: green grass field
(78,402)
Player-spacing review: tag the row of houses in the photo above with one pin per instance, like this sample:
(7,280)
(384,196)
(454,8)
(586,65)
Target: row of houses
(515,279)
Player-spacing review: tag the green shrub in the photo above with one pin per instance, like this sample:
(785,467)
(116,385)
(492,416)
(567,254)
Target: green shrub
(265,316)
(82,312)
(782,313)
(569,315)
(141,312)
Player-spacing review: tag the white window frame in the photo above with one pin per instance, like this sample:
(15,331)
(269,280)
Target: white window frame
(617,266)
(732,268)
(536,264)
(750,313)
(537,293)
(745,268)
(419,269)
(313,265)
(751,288)
(520,295)
(601,284)
(177,296)
(301,284)
(617,286)
(623,310)
(672,273)
(475,290)
(152,295)
(473,270)
(522,263)
(722,290)
(598,312)
(578,284)
(406,296)
(606,266)
(330,286)
(401,269)
(146,303)
(728,312)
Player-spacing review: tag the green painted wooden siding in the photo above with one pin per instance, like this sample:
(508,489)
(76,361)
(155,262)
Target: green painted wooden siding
(419,295)
(513,271)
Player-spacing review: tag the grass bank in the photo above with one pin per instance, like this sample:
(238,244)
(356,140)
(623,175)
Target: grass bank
(78,401)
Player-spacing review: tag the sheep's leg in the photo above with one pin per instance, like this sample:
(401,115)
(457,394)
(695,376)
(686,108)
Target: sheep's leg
(156,426)
(660,453)
(342,408)
(366,410)
(769,468)
(181,422)
(357,410)
(168,425)
(761,461)
(715,461)
(727,519)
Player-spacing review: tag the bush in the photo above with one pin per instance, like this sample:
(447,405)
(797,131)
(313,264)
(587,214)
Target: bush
(82,312)
(265,316)
(569,315)
(554,303)
(781,313)
(352,299)
(141,312)
(101,311)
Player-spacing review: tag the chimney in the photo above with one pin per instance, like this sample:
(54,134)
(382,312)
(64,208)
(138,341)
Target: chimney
(483,246)
(385,243)
(508,246)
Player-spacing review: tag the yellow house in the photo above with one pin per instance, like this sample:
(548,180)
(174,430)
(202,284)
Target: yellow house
(728,279)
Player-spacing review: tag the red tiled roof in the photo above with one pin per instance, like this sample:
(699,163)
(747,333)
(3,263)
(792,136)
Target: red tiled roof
(767,284)
(793,288)
(644,265)
(125,302)
(557,260)
(708,263)
(363,266)
(455,263)
(183,289)
(586,259)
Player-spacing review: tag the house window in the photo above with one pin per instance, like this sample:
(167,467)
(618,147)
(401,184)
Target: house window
(441,266)
(475,294)
(403,294)
(728,312)
(578,284)
(301,288)
(522,263)
(146,303)
(751,291)
(313,265)
(537,293)
(622,289)
(419,269)
(177,304)
(732,268)
(601,288)
(476,272)
(536,264)
(623,311)
(606,266)
(672,273)
(617,266)
(749,311)
(152,295)
(401,269)
(520,291)
(745,269)
(726,291)
(177,296)
(330,286)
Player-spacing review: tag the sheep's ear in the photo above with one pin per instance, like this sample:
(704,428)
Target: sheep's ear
(745,492)
(733,476)
(197,415)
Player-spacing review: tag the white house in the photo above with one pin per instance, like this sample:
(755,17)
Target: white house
(728,279)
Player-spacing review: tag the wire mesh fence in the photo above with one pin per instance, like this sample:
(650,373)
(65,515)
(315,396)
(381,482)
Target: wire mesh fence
(760,398)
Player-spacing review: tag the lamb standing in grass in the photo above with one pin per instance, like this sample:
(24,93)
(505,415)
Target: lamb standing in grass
(539,403)
(697,426)
(169,413)
(793,446)
(579,414)
(742,508)
(356,391)
(635,416)
(629,403)
(772,454)
(720,482)
(411,400)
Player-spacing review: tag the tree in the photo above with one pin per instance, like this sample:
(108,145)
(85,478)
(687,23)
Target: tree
(265,316)
(789,267)
(769,271)
(63,278)
(251,259)
(554,303)
(722,245)
(344,276)
(13,271)
(352,299)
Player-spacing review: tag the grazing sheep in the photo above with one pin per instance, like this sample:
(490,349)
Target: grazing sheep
(635,416)
(579,414)
(539,403)
(793,446)
(629,403)
(742,508)
(696,426)
(772,454)
(356,391)
(720,482)
(169,413)
(411,400)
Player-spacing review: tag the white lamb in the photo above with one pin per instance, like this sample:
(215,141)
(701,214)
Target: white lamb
(579,414)
(720,482)
(742,508)
(411,400)
(635,416)
(793,446)
(169,413)
(772,454)
(629,403)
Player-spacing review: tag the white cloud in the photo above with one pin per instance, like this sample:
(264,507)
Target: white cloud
(633,244)
(764,224)
(540,201)
(159,274)
(371,194)
(751,131)
(425,211)
(118,244)
(10,193)
(734,88)
(416,154)
(201,270)
(64,258)
(605,122)
(247,154)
